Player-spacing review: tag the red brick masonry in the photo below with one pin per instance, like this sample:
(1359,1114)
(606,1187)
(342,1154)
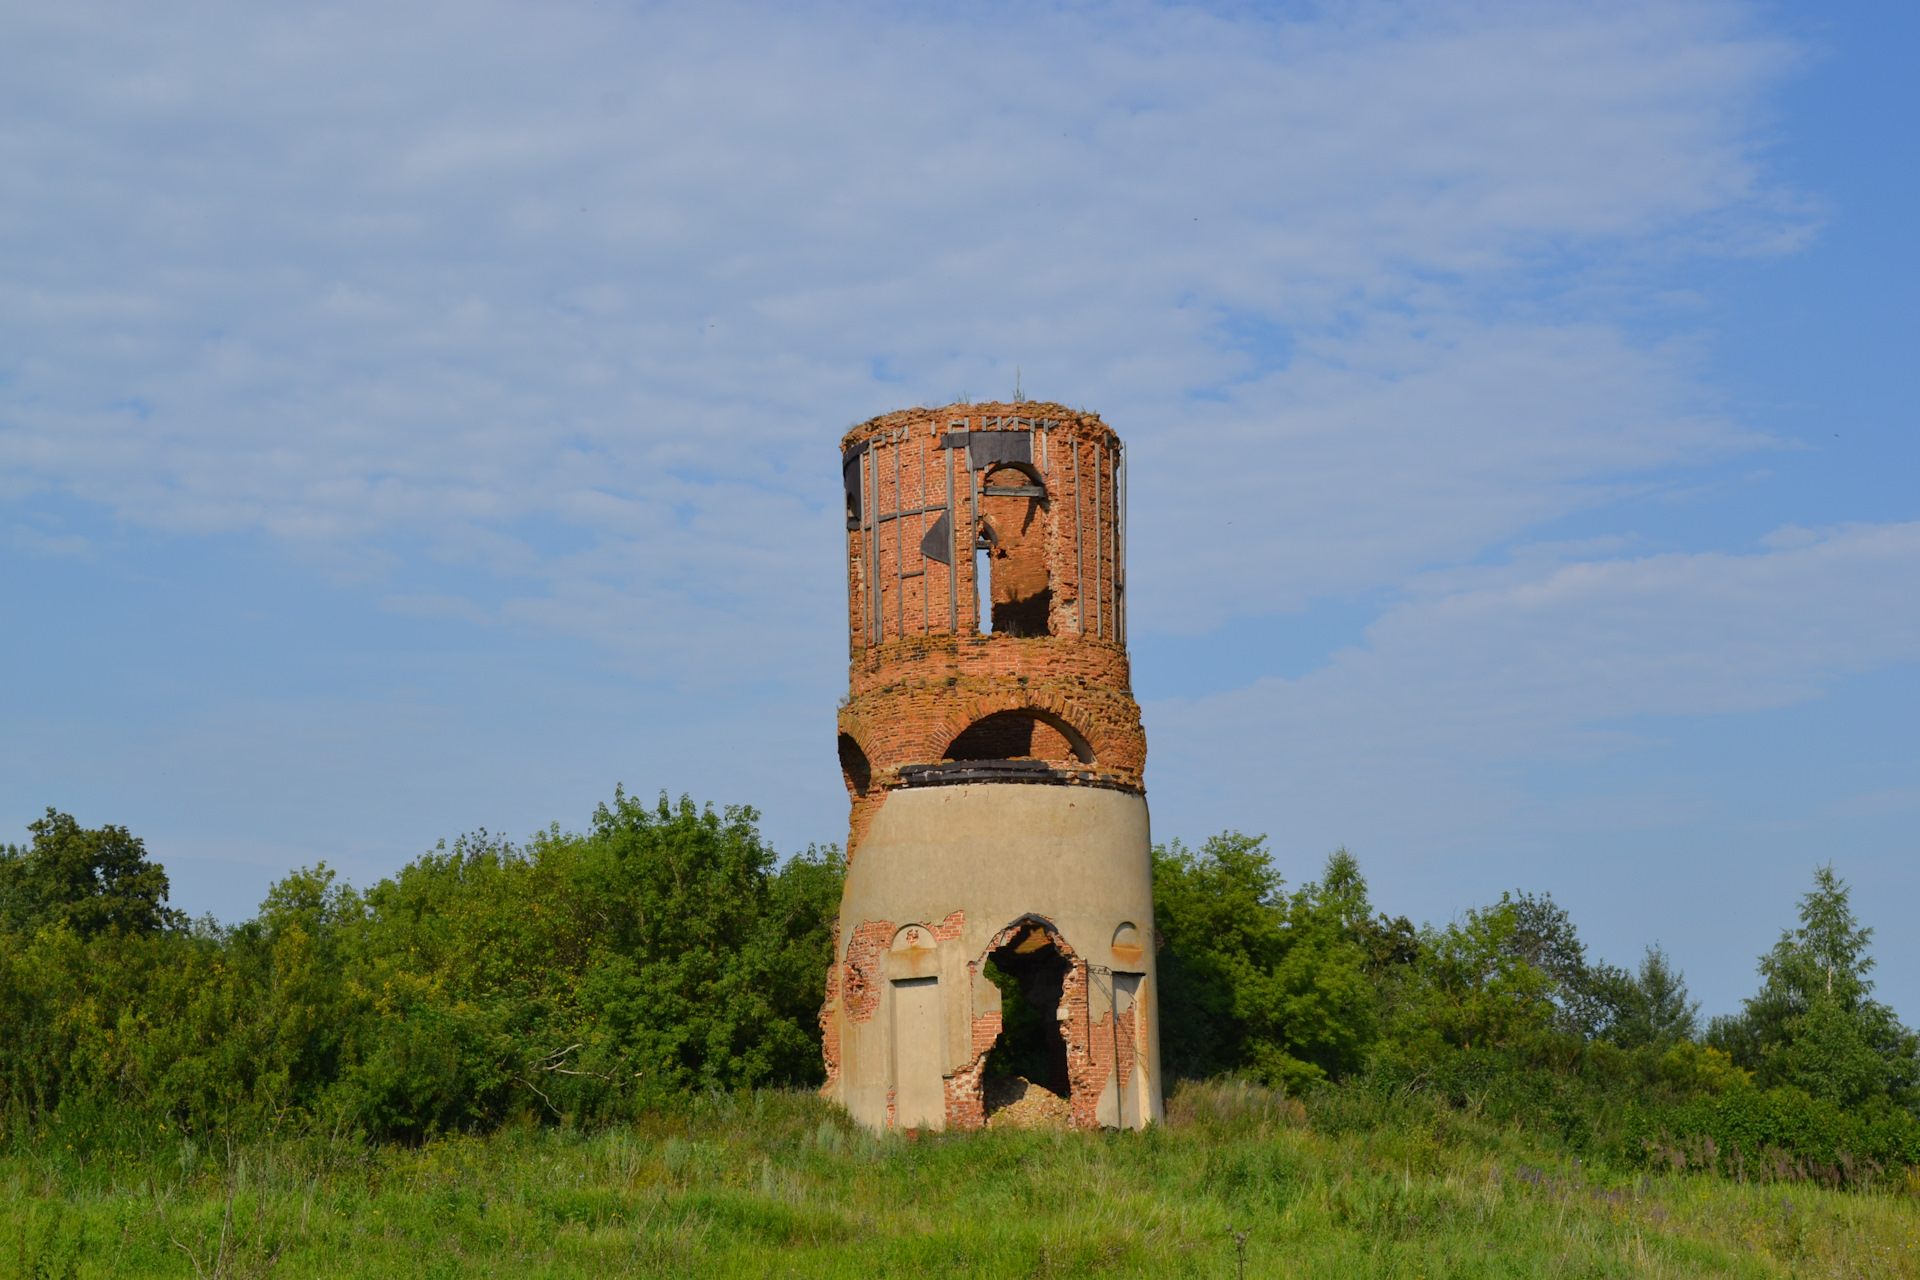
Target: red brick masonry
(1045,506)
(920,672)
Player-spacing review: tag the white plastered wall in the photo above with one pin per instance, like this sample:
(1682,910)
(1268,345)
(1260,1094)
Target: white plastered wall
(1076,856)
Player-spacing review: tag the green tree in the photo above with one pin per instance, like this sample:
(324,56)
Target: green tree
(1218,910)
(1283,986)
(1479,983)
(1813,1024)
(1650,1007)
(1316,1013)
(1587,1000)
(578,975)
(87,879)
(689,973)
(584,974)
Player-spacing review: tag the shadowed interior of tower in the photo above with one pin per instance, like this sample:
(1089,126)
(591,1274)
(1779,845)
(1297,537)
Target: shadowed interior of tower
(1031,974)
(1019,735)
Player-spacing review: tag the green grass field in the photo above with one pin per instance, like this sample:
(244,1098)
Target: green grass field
(778,1184)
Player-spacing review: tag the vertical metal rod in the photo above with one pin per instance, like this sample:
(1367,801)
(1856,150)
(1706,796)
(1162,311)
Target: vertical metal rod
(1099,544)
(925,626)
(899,547)
(1113,571)
(953,556)
(879,550)
(853,586)
(1079,560)
(866,546)
(1112,528)
(873,521)
(973,538)
(1120,553)
(879,600)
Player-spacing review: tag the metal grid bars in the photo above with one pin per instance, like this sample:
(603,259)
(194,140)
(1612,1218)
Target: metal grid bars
(906,485)
(1098,476)
(915,515)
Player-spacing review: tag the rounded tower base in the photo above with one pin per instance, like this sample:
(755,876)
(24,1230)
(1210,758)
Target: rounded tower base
(1052,883)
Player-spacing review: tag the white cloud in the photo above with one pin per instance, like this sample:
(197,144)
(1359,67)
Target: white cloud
(36,542)
(582,298)
(1482,669)
(1376,456)
(545,319)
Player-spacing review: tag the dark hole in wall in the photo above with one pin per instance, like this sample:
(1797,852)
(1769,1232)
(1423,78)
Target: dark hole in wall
(1028,617)
(1031,1044)
(1022,595)
(854,767)
(850,476)
(1019,735)
(1006,735)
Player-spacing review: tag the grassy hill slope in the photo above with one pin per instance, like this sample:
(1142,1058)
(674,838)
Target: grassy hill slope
(776,1183)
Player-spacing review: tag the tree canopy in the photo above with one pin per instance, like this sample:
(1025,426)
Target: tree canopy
(88,880)
(666,950)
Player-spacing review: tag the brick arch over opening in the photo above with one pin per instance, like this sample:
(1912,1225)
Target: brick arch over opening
(1084,738)
(1037,924)
(851,725)
(1021,732)
(996,474)
(855,769)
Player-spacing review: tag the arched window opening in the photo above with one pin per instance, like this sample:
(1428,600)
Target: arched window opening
(854,769)
(1025,734)
(1013,508)
(1014,480)
(1031,974)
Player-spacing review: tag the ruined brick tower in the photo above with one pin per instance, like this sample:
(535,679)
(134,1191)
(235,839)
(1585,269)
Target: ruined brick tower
(993,753)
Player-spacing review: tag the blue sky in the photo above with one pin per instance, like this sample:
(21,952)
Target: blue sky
(418,418)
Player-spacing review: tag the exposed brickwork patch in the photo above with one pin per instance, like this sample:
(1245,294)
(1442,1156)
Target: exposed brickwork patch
(862,976)
(830,1030)
(1086,1068)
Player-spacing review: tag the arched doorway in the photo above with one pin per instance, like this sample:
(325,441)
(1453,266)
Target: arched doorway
(1031,970)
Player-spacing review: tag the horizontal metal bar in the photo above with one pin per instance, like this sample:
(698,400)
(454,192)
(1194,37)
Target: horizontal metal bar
(915,511)
(1013,491)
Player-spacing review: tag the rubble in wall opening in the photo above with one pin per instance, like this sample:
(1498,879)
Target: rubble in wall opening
(1017,1103)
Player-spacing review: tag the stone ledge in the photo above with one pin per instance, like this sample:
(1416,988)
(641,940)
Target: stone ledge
(954,773)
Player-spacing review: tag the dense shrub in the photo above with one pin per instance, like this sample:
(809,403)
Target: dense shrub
(665,953)
(575,977)
(1500,1017)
